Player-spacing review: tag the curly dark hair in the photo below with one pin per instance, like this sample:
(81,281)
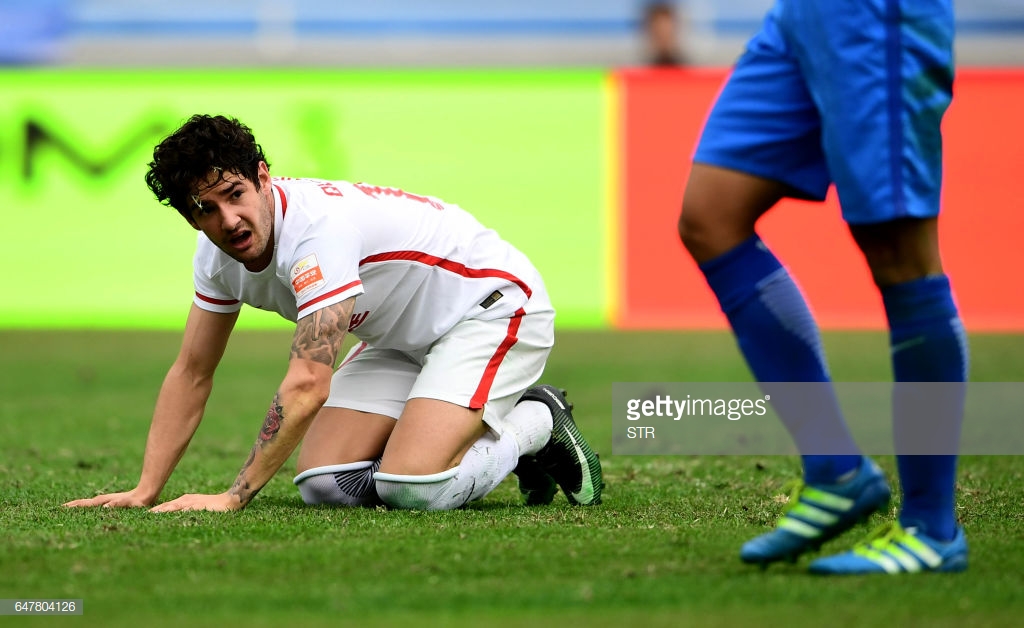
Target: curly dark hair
(183,161)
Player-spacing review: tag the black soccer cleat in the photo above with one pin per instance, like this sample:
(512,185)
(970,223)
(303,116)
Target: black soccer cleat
(537,487)
(567,459)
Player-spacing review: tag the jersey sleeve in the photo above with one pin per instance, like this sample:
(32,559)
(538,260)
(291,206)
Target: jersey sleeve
(210,294)
(324,269)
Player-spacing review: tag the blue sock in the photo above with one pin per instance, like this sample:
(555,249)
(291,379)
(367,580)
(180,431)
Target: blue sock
(781,343)
(929,345)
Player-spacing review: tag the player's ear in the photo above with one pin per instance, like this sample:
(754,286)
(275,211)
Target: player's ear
(263,173)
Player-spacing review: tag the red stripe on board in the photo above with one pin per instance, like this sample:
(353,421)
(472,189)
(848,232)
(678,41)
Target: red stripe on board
(217,301)
(329,294)
(484,389)
(446,264)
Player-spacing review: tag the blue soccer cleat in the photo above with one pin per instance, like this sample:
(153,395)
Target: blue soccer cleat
(818,513)
(892,549)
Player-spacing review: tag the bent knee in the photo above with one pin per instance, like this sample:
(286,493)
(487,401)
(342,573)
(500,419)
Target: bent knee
(348,484)
(696,232)
(721,207)
(708,231)
(419,492)
(900,250)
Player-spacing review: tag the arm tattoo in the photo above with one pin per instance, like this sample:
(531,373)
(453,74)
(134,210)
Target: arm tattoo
(271,426)
(241,486)
(318,336)
(317,319)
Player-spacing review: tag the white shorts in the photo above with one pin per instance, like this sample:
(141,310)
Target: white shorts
(478,364)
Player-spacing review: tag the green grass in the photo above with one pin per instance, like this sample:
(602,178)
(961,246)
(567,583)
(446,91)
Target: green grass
(661,551)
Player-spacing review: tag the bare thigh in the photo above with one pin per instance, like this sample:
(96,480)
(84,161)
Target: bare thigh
(342,435)
(431,436)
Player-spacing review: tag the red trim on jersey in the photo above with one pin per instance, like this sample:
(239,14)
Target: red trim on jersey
(484,388)
(217,301)
(362,346)
(330,294)
(284,200)
(446,264)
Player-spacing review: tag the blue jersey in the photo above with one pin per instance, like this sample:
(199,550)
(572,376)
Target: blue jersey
(850,92)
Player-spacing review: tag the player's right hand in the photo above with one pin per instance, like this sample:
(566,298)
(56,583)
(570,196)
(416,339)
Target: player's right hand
(128,499)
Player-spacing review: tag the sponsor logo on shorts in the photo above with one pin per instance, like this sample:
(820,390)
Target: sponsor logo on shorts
(491,299)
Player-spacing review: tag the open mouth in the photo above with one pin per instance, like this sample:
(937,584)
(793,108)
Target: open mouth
(241,240)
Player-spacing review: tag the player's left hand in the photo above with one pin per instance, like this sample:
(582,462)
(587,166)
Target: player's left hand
(222,502)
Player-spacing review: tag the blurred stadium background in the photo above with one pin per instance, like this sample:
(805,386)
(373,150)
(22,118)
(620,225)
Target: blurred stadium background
(410,33)
(539,116)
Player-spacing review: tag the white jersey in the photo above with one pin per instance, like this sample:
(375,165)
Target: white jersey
(417,265)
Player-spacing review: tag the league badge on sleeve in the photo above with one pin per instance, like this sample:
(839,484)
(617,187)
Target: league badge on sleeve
(306,276)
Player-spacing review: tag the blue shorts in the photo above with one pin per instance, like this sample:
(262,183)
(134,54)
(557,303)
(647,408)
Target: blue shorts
(845,91)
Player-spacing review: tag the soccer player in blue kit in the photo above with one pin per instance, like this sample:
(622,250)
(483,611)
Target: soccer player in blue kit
(850,92)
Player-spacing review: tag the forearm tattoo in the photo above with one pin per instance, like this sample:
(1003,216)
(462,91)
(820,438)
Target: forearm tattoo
(241,487)
(318,336)
(271,426)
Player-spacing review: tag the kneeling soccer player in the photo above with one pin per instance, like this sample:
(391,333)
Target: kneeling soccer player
(431,410)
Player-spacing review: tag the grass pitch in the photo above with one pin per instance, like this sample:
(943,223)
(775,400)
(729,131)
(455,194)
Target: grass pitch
(661,551)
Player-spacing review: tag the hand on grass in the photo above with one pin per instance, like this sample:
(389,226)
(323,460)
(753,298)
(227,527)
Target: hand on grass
(127,499)
(218,503)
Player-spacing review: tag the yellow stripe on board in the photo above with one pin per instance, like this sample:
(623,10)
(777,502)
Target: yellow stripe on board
(612,270)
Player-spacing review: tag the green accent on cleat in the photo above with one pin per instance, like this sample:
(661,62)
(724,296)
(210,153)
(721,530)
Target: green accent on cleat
(891,549)
(567,458)
(816,514)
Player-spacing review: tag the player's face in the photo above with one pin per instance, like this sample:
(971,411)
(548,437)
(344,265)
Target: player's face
(237,217)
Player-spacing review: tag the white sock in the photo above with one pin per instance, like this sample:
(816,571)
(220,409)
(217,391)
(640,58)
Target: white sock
(349,484)
(488,462)
(530,422)
(419,492)
(484,466)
